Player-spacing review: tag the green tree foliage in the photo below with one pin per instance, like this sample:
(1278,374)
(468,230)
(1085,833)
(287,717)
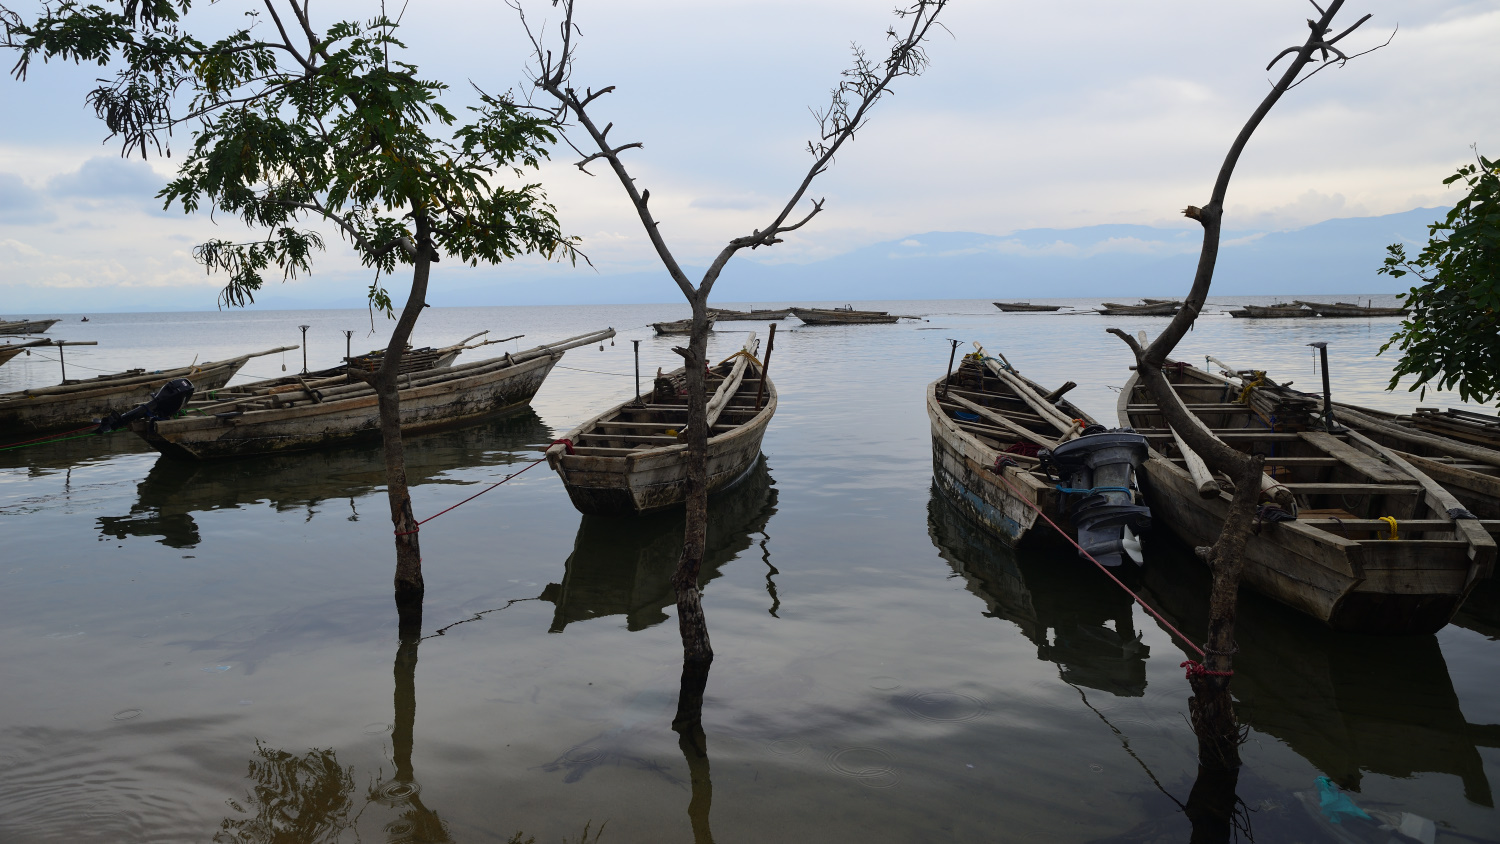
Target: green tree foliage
(292,125)
(1453,332)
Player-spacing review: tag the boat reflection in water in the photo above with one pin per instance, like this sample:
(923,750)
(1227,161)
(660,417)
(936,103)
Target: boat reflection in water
(174,490)
(624,565)
(1346,703)
(1076,618)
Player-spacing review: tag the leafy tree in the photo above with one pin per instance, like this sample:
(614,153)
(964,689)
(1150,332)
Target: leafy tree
(1453,332)
(294,126)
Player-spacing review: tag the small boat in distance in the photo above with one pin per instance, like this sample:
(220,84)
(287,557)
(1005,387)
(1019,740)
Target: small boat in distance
(1281,310)
(997,440)
(1337,502)
(757,314)
(26,326)
(83,401)
(846,315)
(681,326)
(1350,310)
(1148,307)
(308,414)
(1025,307)
(630,460)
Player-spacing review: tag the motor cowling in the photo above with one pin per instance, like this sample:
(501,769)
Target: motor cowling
(170,398)
(1097,472)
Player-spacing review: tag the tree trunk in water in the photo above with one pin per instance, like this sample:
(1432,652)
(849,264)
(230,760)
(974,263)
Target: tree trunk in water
(691,623)
(694,745)
(409,584)
(1211,805)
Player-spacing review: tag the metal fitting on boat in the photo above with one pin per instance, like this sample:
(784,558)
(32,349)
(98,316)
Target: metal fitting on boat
(1098,472)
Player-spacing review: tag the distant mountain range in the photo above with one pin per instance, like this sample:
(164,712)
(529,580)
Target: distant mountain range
(1331,257)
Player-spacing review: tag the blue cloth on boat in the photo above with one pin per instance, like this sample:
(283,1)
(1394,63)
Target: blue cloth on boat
(1335,804)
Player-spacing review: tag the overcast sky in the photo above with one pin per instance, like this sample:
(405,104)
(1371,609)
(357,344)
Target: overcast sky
(1032,115)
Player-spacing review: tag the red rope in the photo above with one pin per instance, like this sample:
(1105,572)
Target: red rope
(565,443)
(1194,669)
(50,436)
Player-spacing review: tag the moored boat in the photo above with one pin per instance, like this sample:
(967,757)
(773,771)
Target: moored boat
(992,430)
(1025,307)
(1350,310)
(10,350)
(769,314)
(319,413)
(630,459)
(1353,534)
(83,401)
(846,315)
(26,326)
(1147,308)
(1278,311)
(680,326)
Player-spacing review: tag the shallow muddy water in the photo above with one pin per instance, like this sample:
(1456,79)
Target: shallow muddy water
(209,652)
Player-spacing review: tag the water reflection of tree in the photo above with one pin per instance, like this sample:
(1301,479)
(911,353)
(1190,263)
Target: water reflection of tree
(294,798)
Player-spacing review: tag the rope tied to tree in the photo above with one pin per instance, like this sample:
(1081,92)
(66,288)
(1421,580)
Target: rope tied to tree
(565,443)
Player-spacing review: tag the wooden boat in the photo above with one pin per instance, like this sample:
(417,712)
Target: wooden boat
(1025,307)
(26,326)
(624,567)
(845,316)
(1370,546)
(1157,308)
(1477,428)
(10,350)
(319,413)
(1349,310)
(82,401)
(990,427)
(756,314)
(1278,311)
(680,326)
(629,459)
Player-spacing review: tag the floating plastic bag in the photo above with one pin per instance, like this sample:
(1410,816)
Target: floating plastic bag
(1335,804)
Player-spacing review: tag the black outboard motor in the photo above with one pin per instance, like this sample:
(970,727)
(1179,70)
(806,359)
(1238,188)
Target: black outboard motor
(1097,470)
(163,404)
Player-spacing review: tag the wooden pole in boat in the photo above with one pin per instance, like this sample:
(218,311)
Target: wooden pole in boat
(637,344)
(348,344)
(304,347)
(60,361)
(765,367)
(1328,423)
(952,353)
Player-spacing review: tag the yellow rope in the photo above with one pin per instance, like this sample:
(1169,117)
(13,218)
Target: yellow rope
(1391,520)
(1260,380)
(741,353)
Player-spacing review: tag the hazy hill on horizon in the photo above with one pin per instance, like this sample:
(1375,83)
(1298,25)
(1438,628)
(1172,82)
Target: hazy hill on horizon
(1116,260)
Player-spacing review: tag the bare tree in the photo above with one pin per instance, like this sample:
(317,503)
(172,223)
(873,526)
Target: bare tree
(1211,709)
(860,87)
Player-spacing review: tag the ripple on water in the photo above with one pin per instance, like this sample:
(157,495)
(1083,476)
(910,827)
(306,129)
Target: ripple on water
(126,714)
(397,791)
(400,831)
(377,728)
(869,766)
(581,754)
(786,746)
(943,706)
(885,684)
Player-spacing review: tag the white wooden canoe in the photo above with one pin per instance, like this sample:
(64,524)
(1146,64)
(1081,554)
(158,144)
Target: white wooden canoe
(26,326)
(1336,560)
(628,460)
(317,418)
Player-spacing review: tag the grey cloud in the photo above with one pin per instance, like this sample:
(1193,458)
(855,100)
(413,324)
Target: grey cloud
(727,203)
(108,178)
(19,203)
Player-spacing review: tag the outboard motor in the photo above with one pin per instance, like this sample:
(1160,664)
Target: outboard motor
(163,404)
(1096,471)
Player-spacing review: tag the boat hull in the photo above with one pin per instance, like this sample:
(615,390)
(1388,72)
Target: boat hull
(749,316)
(1025,307)
(655,480)
(962,469)
(32,326)
(38,414)
(833,317)
(432,407)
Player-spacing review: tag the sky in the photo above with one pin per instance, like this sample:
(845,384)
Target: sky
(1031,116)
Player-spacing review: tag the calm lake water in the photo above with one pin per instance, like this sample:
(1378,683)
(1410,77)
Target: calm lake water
(209,652)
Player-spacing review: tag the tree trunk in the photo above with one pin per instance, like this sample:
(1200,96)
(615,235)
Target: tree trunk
(409,584)
(691,623)
(1211,805)
(693,743)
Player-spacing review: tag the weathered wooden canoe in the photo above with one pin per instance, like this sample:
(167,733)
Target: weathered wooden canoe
(991,427)
(26,326)
(10,350)
(680,326)
(1350,310)
(1470,472)
(629,460)
(1337,558)
(1025,307)
(1271,312)
(844,316)
(624,567)
(1145,309)
(765,314)
(87,400)
(319,416)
